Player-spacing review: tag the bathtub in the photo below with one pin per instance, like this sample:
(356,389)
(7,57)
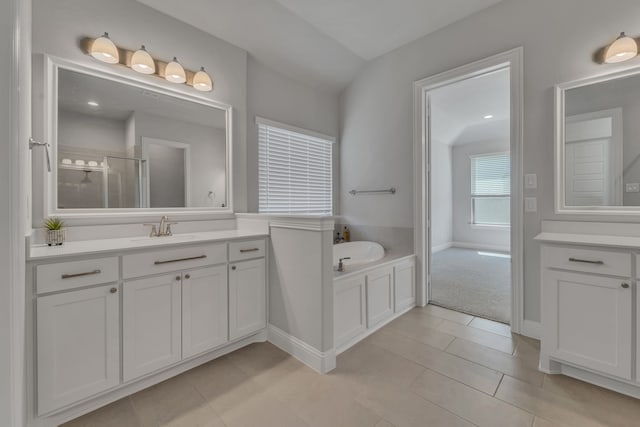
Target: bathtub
(359,252)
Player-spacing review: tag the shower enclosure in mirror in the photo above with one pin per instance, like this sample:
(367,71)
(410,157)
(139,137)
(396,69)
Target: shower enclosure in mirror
(598,145)
(122,145)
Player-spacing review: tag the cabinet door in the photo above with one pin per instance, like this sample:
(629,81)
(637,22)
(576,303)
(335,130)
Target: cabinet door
(587,321)
(247,301)
(405,285)
(151,325)
(78,345)
(379,296)
(350,310)
(204,310)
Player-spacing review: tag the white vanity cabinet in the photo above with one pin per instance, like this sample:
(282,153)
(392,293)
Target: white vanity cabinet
(380,294)
(405,285)
(78,344)
(247,297)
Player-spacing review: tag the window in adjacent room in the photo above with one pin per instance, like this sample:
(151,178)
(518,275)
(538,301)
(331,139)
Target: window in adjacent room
(294,170)
(491,189)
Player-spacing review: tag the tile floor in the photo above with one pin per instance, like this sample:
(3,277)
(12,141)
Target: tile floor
(431,367)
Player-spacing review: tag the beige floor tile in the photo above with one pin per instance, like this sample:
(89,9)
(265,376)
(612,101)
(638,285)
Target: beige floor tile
(548,405)
(422,329)
(541,422)
(527,349)
(403,408)
(117,414)
(174,403)
(447,314)
(384,423)
(473,405)
(511,365)
(491,326)
(469,373)
(608,406)
(487,339)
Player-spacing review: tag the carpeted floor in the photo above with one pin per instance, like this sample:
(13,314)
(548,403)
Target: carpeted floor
(468,281)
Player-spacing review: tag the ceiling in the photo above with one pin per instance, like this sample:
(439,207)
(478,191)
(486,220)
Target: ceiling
(459,110)
(325,42)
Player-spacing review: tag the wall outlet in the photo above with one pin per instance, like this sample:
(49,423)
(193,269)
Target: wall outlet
(531,181)
(530,204)
(632,187)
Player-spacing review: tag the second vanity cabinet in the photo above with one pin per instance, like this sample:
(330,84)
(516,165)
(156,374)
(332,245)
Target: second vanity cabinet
(103,323)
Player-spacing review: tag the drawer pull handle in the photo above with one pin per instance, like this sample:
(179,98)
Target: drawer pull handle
(113,290)
(233,267)
(586,261)
(180,260)
(625,285)
(88,273)
(242,251)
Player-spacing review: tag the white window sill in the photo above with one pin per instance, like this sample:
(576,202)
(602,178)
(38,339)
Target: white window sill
(490,227)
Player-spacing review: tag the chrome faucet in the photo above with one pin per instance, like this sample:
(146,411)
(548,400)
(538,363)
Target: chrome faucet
(163,229)
(341,265)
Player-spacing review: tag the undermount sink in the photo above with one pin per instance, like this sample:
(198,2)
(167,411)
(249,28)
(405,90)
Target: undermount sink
(173,238)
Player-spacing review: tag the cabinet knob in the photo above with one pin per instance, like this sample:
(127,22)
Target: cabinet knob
(233,267)
(625,286)
(187,276)
(113,290)
(177,278)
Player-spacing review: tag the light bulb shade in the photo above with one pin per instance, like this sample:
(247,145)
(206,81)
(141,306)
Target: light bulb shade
(142,62)
(103,49)
(202,81)
(623,49)
(174,72)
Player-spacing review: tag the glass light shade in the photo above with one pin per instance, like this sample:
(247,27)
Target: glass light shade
(623,49)
(104,50)
(174,72)
(202,81)
(142,62)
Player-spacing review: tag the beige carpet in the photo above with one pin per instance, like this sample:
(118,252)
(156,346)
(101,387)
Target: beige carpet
(472,281)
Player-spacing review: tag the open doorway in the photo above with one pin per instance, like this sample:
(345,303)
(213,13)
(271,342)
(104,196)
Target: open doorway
(470,152)
(491,196)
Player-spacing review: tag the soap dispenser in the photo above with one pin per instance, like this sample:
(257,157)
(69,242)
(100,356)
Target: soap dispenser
(346,234)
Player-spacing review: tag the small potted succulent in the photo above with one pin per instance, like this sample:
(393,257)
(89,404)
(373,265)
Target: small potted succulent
(55,231)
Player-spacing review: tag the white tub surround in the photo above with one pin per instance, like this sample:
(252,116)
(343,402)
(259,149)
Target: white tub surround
(368,296)
(357,252)
(107,318)
(590,303)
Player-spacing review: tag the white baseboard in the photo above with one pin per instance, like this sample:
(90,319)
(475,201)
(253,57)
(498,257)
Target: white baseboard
(441,247)
(481,247)
(320,361)
(531,329)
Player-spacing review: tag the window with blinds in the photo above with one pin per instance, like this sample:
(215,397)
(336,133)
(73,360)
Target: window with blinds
(295,170)
(491,189)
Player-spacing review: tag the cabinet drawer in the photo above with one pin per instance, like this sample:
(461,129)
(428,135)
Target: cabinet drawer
(246,250)
(163,261)
(74,274)
(587,260)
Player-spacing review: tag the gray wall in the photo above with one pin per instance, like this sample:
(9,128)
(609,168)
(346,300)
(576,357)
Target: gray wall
(558,41)
(463,232)
(442,195)
(273,96)
(59,26)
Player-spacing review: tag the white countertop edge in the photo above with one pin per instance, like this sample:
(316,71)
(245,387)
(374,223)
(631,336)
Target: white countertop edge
(363,268)
(92,247)
(589,239)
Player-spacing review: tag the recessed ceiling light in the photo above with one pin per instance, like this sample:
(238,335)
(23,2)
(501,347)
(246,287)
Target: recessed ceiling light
(489,116)
(93,104)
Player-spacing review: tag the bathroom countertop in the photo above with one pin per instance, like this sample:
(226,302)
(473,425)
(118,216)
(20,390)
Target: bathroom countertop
(359,268)
(88,247)
(589,239)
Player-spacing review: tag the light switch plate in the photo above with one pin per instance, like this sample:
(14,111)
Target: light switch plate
(531,181)
(632,187)
(530,204)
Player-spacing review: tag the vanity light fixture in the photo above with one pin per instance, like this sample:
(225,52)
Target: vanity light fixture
(142,62)
(174,72)
(202,81)
(103,49)
(622,49)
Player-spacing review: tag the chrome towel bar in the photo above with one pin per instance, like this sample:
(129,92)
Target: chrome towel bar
(391,190)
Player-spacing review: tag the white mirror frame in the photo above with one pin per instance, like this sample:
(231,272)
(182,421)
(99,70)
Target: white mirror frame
(560,196)
(106,215)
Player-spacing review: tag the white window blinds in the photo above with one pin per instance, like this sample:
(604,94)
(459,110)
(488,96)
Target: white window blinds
(295,170)
(490,189)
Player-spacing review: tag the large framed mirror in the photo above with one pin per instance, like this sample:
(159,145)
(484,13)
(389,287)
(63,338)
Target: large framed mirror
(120,145)
(598,145)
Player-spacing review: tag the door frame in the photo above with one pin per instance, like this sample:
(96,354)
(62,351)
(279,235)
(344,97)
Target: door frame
(513,60)
(145,141)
